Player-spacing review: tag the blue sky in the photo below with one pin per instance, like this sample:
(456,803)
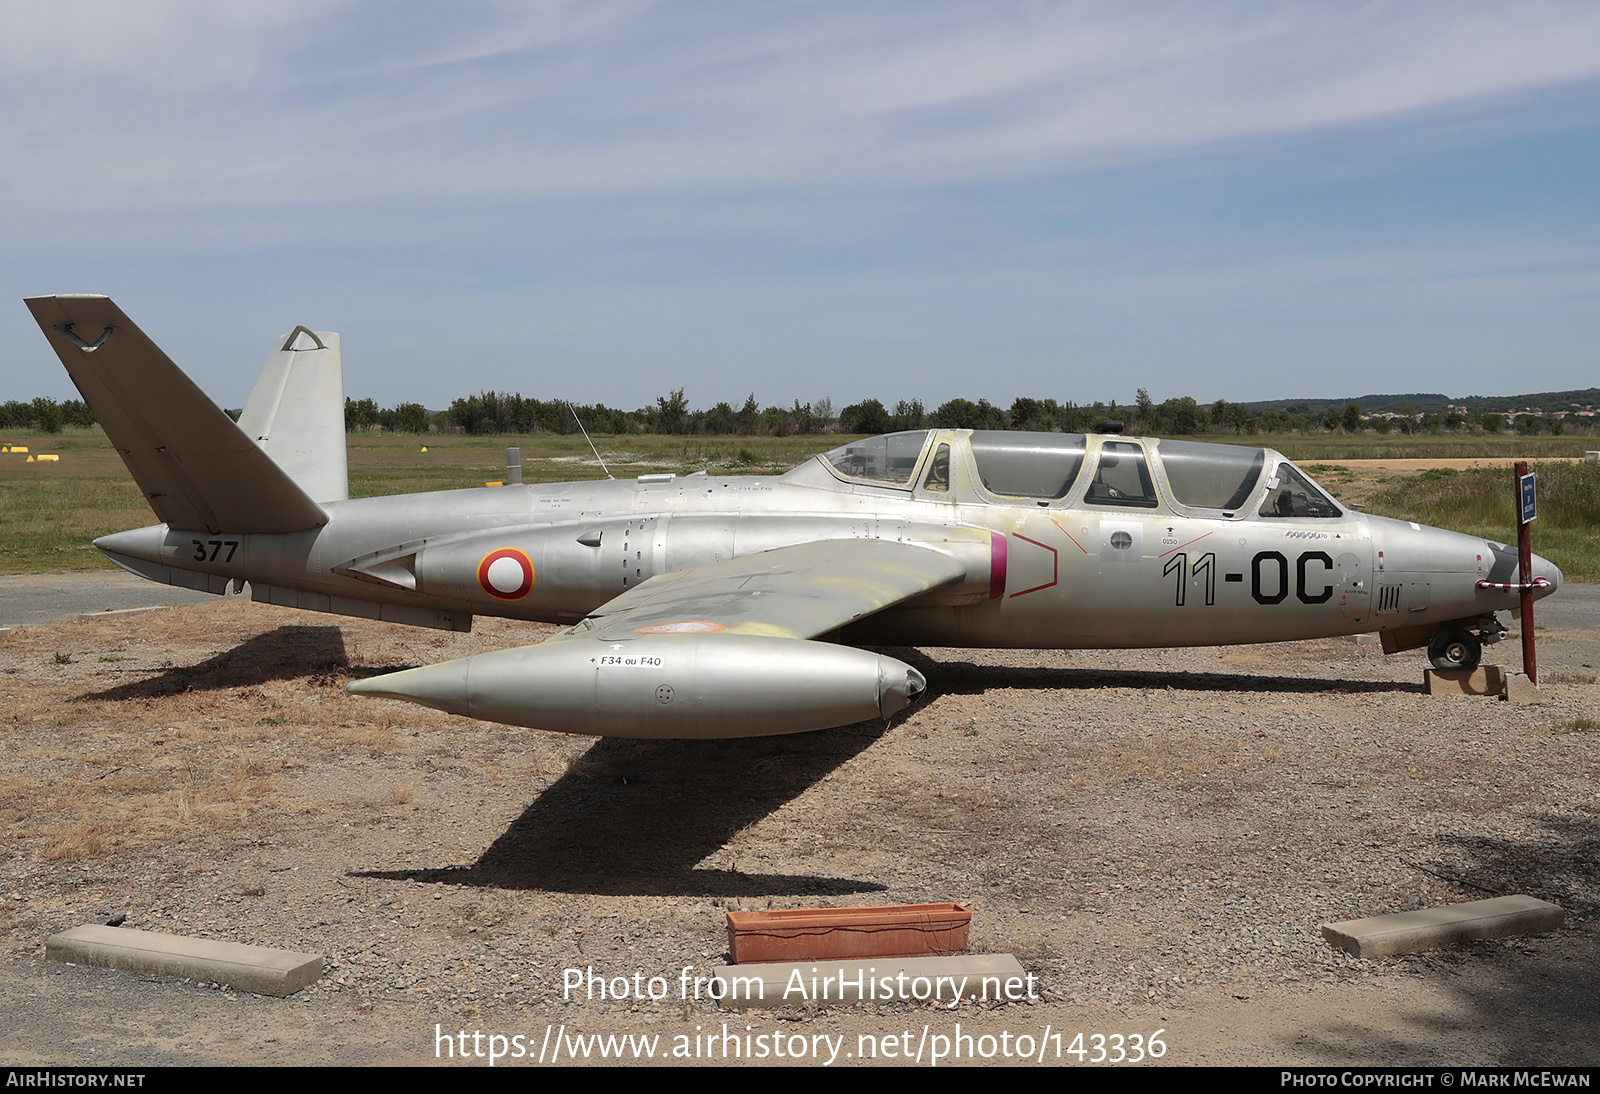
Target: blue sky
(604,201)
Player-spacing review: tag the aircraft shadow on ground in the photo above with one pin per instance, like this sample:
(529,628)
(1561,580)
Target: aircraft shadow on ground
(1561,865)
(1530,1001)
(636,817)
(286,653)
(966,678)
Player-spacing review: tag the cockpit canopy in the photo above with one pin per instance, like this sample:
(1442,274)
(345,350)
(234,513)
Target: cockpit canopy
(1121,472)
(1028,465)
(1211,476)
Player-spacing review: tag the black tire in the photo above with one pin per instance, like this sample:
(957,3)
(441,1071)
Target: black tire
(1455,648)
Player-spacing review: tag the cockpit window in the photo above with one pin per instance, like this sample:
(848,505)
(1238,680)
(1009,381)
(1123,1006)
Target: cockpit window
(1122,477)
(1211,476)
(938,476)
(1028,465)
(1290,494)
(888,459)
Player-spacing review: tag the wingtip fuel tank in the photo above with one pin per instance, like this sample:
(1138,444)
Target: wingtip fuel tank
(663,686)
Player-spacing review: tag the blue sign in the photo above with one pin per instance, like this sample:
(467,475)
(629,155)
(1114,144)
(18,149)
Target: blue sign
(1530,507)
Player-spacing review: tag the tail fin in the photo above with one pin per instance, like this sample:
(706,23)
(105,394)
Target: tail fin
(197,469)
(296,413)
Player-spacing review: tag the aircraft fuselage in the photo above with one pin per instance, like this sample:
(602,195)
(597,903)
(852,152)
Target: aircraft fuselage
(1039,575)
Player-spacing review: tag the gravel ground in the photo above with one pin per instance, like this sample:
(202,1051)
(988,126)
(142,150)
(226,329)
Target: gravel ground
(1158,835)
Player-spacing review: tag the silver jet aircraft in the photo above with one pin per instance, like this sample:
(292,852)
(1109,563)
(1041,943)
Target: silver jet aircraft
(711,606)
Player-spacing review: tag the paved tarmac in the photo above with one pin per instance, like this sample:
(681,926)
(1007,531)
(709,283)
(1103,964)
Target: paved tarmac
(1566,630)
(42,599)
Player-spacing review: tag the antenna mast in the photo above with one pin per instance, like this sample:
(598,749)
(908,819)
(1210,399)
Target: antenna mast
(592,448)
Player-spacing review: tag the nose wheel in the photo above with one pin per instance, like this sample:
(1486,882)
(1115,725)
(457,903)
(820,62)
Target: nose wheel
(1455,648)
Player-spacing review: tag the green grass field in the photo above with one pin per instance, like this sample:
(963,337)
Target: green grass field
(50,512)
(1422,446)
(1480,502)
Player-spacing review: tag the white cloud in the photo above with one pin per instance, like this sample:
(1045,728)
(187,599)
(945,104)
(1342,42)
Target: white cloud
(130,108)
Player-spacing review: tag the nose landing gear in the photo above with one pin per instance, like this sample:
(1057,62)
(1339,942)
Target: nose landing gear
(1455,648)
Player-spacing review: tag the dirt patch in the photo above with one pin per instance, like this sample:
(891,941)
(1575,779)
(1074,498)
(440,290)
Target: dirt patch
(1356,481)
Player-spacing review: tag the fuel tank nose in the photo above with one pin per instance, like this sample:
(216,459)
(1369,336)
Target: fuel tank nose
(900,685)
(442,686)
(916,683)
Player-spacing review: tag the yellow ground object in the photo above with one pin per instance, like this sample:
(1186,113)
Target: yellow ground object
(47,459)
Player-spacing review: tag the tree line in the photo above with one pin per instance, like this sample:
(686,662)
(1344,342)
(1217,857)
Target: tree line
(45,415)
(494,412)
(491,412)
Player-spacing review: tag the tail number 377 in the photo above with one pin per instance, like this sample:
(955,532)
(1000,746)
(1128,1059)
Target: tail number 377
(216,545)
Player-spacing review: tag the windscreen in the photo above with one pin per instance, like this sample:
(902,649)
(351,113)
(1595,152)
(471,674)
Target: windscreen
(890,458)
(1291,494)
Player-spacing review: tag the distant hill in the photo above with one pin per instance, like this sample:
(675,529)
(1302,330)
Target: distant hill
(1423,402)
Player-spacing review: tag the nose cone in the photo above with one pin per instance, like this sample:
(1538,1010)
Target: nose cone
(140,543)
(442,686)
(1543,567)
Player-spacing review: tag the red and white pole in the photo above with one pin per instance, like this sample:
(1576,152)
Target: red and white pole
(1525,576)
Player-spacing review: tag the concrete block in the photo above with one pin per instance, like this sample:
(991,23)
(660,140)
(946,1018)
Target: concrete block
(115,613)
(968,976)
(1483,680)
(1591,457)
(257,969)
(1519,689)
(1364,639)
(1435,928)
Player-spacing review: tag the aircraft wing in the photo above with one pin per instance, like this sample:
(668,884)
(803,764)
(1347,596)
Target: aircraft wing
(716,651)
(790,592)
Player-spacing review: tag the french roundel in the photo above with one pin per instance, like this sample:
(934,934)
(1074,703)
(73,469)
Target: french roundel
(506,574)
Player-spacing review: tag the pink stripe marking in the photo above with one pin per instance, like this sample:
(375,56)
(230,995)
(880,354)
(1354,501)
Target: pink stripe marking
(1068,534)
(997,565)
(1055,566)
(1181,546)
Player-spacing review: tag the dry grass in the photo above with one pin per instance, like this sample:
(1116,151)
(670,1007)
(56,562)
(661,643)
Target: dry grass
(75,841)
(205,726)
(1575,677)
(376,740)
